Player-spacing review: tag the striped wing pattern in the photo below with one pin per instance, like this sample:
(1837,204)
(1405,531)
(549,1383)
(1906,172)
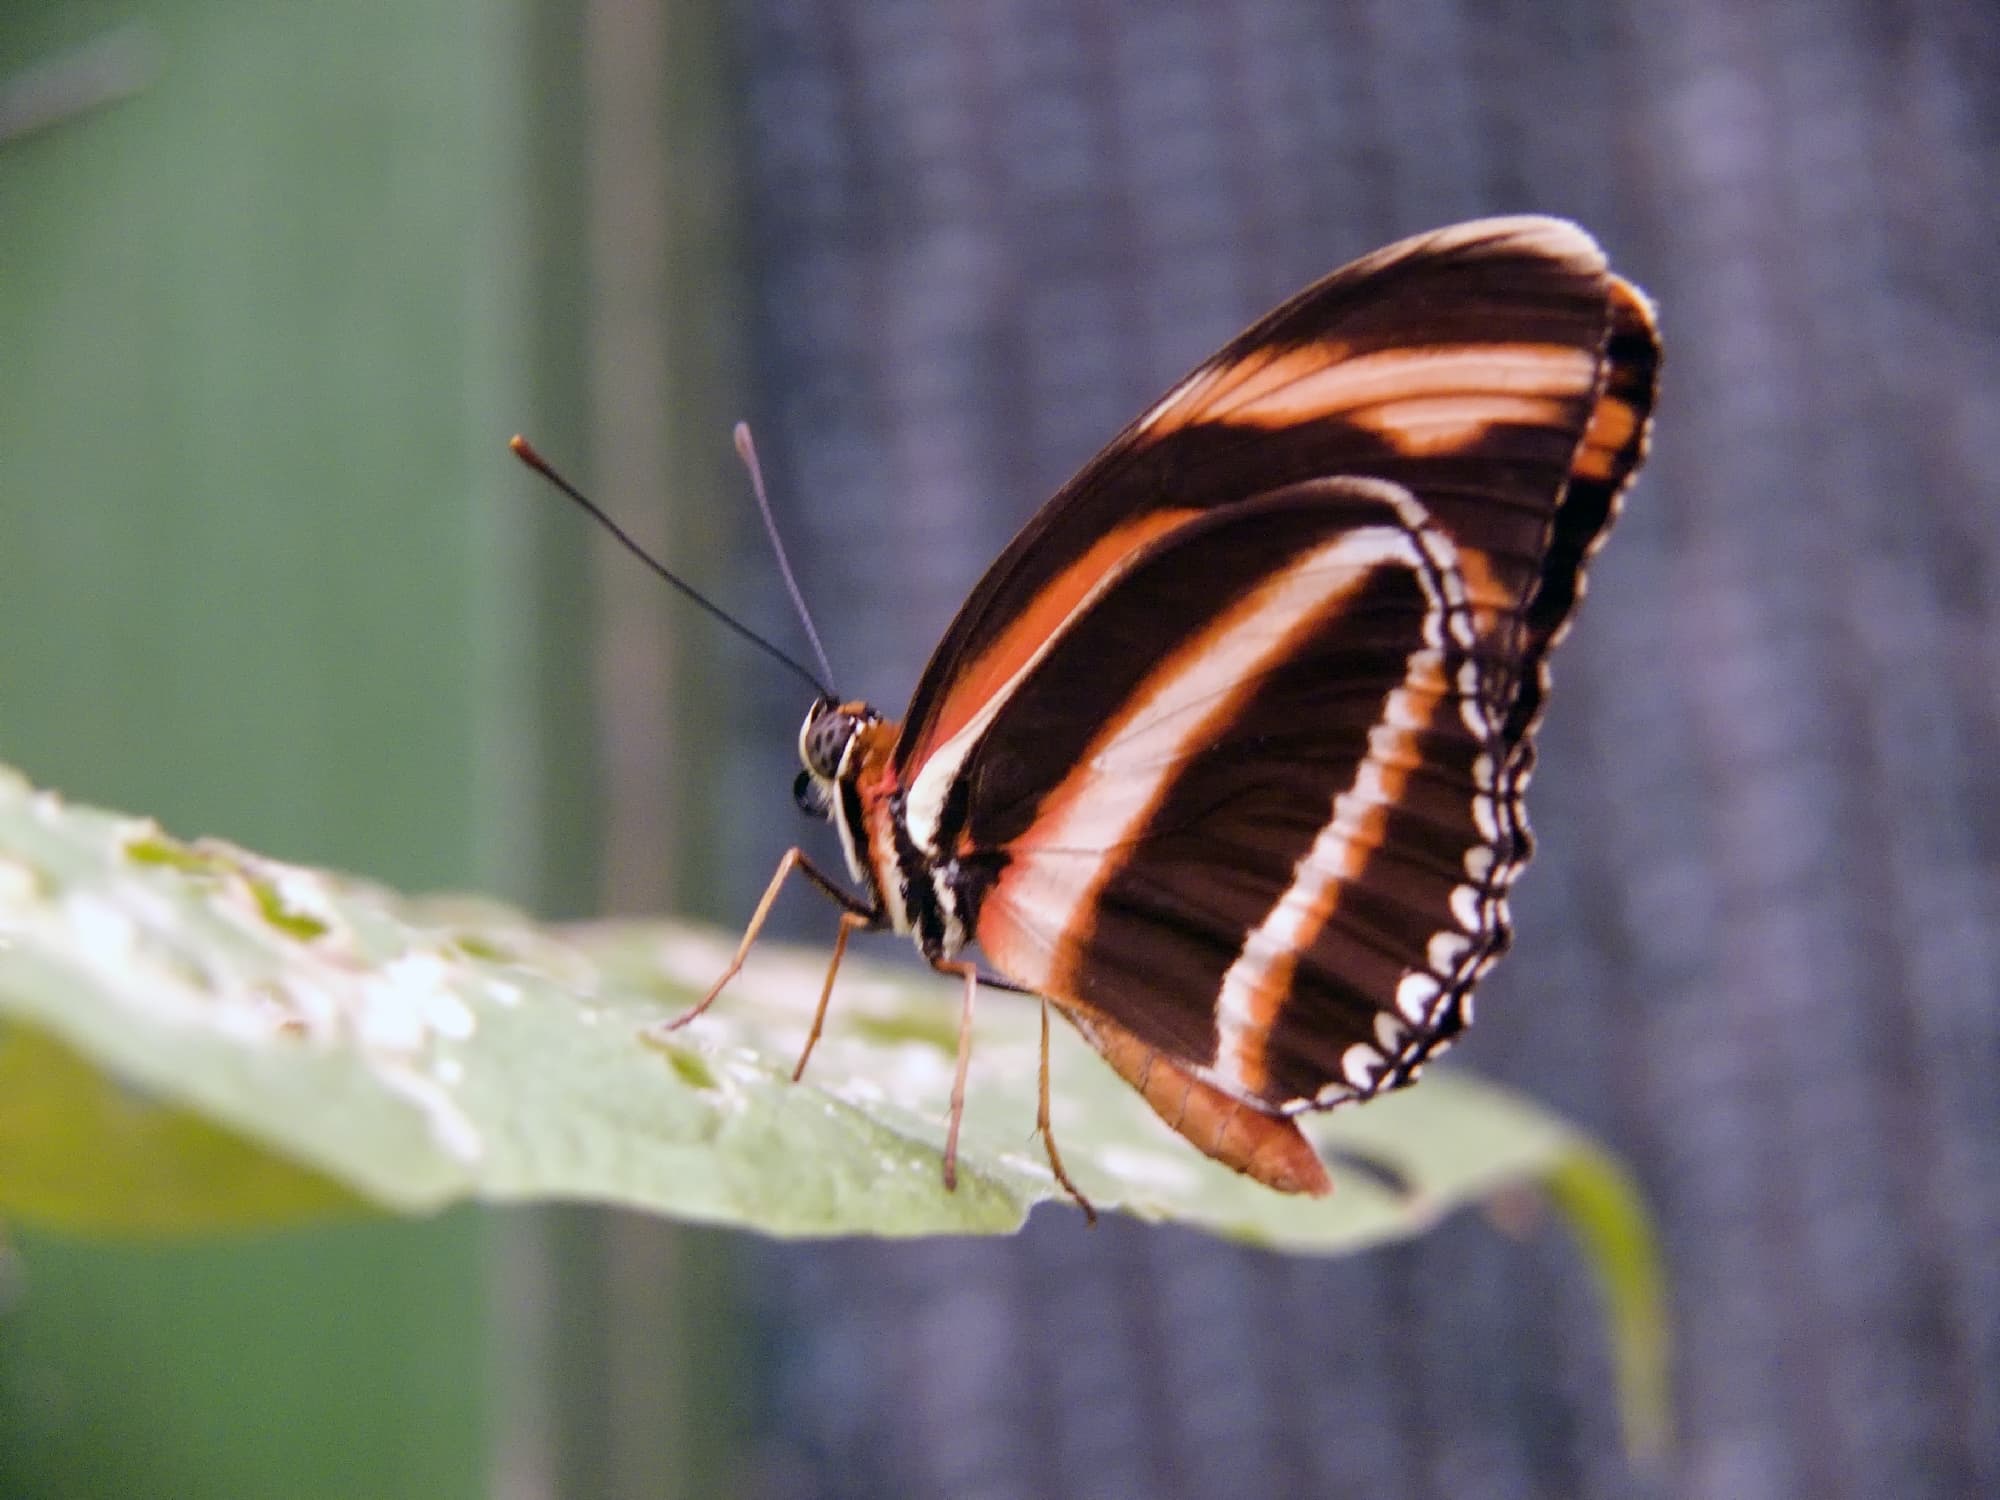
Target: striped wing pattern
(1225,753)
(1200,862)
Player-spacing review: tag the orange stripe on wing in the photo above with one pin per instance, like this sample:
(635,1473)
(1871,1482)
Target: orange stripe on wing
(1612,427)
(1421,399)
(988,675)
(1426,426)
(1217,390)
(1614,443)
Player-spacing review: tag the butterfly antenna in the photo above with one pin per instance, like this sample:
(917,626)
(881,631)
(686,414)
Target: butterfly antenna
(525,451)
(746,450)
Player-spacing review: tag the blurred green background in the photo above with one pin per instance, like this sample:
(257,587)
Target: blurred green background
(278,282)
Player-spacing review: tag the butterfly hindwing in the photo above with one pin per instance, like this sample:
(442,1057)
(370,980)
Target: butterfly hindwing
(1278,817)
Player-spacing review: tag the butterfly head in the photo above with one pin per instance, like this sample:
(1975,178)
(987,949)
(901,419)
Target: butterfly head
(826,746)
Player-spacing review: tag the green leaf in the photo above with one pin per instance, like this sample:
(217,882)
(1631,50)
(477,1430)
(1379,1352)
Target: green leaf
(1598,1197)
(305,1040)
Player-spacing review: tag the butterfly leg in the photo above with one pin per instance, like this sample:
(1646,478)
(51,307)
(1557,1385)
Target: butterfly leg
(850,922)
(1047,1131)
(795,859)
(970,974)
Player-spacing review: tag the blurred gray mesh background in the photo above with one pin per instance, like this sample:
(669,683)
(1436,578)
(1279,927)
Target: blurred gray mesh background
(1757,951)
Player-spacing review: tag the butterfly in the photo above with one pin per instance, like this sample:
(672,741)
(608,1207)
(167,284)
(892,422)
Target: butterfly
(1224,756)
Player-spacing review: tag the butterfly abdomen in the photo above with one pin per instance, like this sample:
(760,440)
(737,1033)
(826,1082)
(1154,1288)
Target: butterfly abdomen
(1268,1147)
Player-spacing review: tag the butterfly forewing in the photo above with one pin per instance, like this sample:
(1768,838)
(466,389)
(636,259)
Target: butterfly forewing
(1464,365)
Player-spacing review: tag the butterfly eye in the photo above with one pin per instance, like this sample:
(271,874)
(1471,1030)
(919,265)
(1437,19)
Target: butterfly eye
(826,742)
(810,795)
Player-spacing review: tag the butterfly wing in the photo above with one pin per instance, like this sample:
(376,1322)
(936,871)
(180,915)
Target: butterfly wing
(1224,753)
(1494,369)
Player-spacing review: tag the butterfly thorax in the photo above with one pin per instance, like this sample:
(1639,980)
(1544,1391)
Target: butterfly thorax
(848,750)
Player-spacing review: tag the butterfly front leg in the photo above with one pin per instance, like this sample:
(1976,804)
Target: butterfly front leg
(855,913)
